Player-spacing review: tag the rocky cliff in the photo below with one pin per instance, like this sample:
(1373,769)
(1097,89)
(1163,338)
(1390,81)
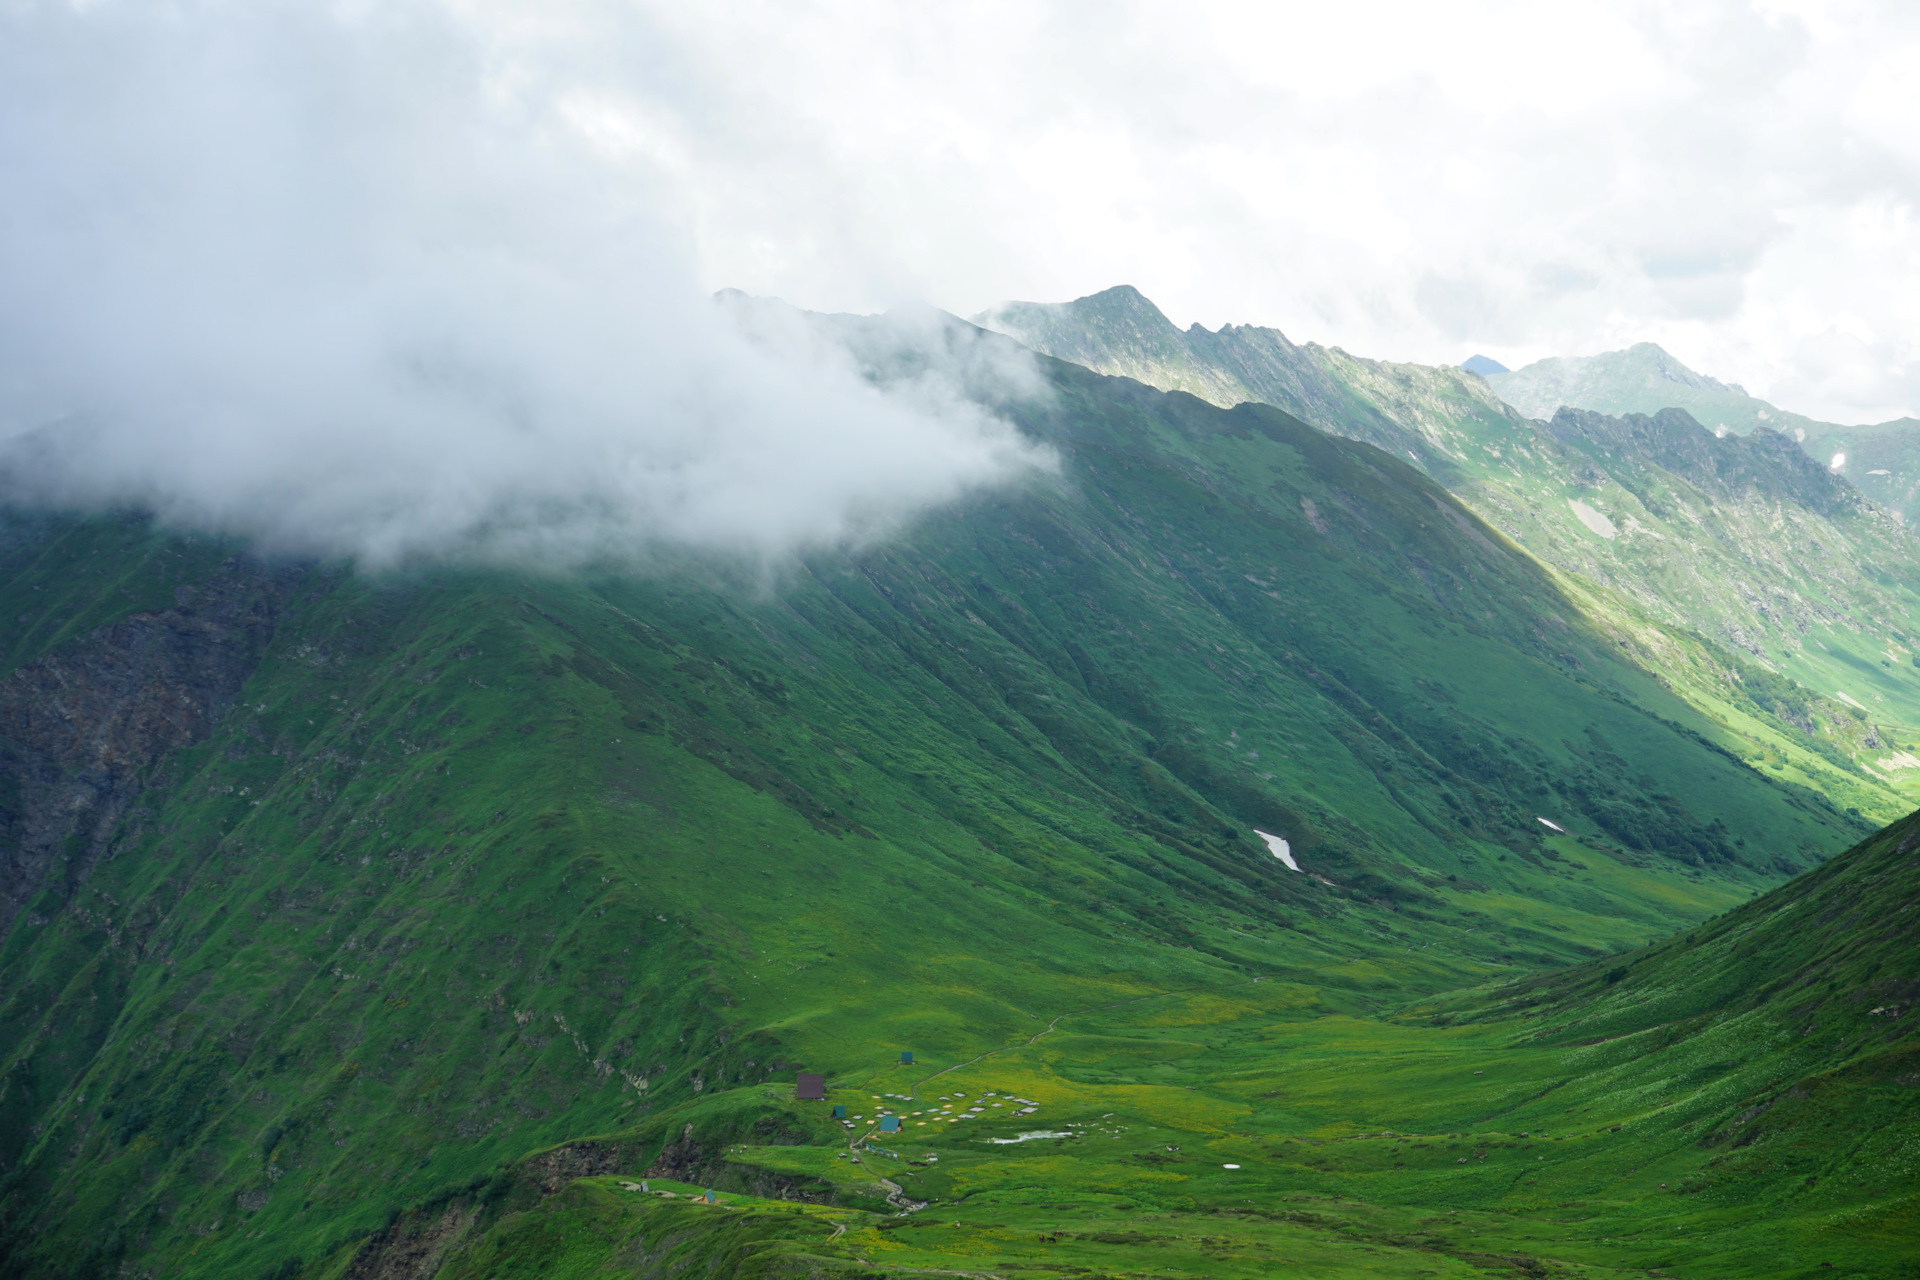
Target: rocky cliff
(85,727)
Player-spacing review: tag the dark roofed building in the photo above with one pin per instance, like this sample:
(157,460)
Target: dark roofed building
(810,1087)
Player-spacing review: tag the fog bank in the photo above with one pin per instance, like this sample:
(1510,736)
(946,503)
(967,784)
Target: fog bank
(349,282)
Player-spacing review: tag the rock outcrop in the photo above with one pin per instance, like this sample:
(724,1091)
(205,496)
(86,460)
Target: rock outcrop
(83,727)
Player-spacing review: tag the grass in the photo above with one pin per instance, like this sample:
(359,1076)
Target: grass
(1365,1146)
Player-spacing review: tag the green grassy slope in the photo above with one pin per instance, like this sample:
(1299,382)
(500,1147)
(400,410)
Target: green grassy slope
(1782,566)
(472,864)
(1739,1101)
(1725,564)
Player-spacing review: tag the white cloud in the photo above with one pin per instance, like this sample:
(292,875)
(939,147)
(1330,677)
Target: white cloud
(365,281)
(1406,179)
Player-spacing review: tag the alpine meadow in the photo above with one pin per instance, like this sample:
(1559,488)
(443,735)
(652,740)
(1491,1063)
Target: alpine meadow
(991,641)
(1242,851)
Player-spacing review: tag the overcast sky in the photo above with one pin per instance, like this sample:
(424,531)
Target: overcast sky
(1409,180)
(432,277)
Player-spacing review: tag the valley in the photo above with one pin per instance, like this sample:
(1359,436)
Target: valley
(381,925)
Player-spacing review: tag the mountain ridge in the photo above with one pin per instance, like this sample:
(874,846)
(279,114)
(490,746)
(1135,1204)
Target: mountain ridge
(1830,610)
(1881,459)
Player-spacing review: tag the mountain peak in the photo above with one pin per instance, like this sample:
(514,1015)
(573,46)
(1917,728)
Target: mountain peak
(1116,331)
(1120,296)
(1121,305)
(1485,366)
(1661,363)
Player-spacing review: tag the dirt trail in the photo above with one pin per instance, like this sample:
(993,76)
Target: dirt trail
(896,1194)
(897,1197)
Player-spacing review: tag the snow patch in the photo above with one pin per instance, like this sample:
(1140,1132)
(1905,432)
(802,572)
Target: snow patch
(1028,1137)
(1281,849)
(1549,823)
(1839,461)
(1313,515)
(1592,519)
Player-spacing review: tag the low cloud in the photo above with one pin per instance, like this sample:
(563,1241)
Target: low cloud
(344,282)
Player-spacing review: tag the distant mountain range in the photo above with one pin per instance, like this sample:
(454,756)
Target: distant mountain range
(1641,379)
(1882,460)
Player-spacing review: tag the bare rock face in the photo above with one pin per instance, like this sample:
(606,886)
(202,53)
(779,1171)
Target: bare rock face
(553,1170)
(1726,468)
(688,1159)
(82,728)
(683,1161)
(413,1246)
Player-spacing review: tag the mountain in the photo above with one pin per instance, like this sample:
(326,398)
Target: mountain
(1881,460)
(1641,379)
(393,925)
(1120,332)
(1485,366)
(1726,563)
